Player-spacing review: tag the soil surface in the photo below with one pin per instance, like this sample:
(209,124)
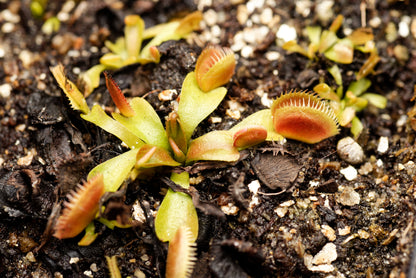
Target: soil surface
(314,215)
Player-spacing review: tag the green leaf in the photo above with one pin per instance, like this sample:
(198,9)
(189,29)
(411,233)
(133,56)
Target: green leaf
(98,117)
(91,78)
(369,65)
(133,33)
(336,74)
(177,210)
(195,105)
(360,86)
(90,235)
(215,145)
(342,52)
(314,34)
(346,116)
(326,92)
(328,39)
(356,127)
(145,124)
(165,34)
(151,156)
(293,46)
(262,118)
(116,170)
(377,100)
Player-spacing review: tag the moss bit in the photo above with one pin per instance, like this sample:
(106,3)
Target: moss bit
(304,117)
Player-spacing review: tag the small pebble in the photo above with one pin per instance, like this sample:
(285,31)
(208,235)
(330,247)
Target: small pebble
(247,51)
(391,32)
(383,144)
(167,95)
(230,209)
(404,26)
(27,159)
(401,53)
(344,231)
(286,33)
(327,255)
(375,22)
(30,257)
(254,187)
(272,55)
(350,151)
(328,232)
(7,27)
(266,16)
(303,7)
(5,90)
(349,197)
(281,211)
(350,173)
(210,17)
(94,267)
(325,11)
(138,213)
(242,14)
(363,234)
(413,27)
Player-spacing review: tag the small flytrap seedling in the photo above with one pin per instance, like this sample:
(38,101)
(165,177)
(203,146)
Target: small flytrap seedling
(128,49)
(341,50)
(151,146)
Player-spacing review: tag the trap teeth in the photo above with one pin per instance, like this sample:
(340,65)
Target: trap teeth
(303,116)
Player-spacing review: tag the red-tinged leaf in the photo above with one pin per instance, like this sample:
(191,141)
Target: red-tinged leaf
(81,208)
(215,145)
(249,136)
(118,97)
(151,156)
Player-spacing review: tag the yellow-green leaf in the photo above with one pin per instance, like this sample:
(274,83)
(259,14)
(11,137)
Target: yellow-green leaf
(215,145)
(145,124)
(98,117)
(195,104)
(116,170)
(262,118)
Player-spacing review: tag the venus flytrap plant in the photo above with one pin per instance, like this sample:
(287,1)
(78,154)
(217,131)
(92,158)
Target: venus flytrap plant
(151,145)
(355,99)
(326,42)
(128,49)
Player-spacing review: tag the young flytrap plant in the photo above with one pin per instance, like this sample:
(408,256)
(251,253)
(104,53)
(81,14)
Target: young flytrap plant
(326,42)
(128,49)
(355,99)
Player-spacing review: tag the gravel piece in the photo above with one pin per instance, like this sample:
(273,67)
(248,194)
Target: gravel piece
(349,197)
(350,173)
(350,151)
